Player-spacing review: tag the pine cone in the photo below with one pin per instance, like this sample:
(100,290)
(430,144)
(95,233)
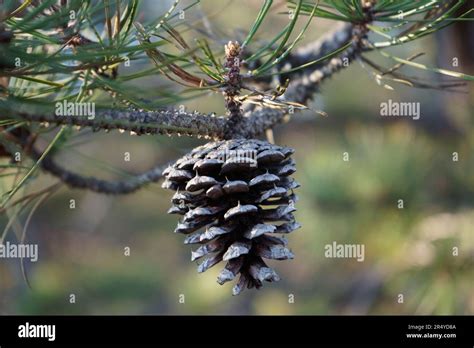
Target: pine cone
(232,195)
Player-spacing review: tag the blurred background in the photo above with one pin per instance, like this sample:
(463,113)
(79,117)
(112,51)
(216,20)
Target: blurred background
(408,251)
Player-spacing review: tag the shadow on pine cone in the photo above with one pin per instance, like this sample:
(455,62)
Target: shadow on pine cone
(238,193)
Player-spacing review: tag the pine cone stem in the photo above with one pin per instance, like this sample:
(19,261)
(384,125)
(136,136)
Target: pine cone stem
(231,91)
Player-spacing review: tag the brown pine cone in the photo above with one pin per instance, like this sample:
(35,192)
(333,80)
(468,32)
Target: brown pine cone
(236,197)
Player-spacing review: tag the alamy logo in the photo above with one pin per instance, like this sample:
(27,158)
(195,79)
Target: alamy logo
(345,251)
(239,156)
(37,331)
(405,109)
(71,109)
(20,251)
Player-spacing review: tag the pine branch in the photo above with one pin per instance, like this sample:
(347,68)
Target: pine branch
(303,88)
(318,49)
(232,89)
(79,181)
(306,68)
(311,56)
(140,122)
(164,122)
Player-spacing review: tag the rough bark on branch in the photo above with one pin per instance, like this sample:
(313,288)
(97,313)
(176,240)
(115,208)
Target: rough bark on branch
(312,55)
(132,184)
(141,122)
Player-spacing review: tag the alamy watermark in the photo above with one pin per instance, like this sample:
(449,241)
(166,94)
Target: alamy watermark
(28,330)
(400,109)
(19,251)
(239,156)
(73,109)
(345,251)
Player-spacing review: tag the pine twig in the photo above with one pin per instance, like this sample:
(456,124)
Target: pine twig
(232,87)
(79,181)
(304,87)
(310,56)
(141,122)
